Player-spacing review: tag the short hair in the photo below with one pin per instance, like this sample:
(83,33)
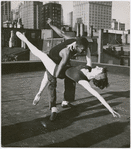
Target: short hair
(101,80)
(82,41)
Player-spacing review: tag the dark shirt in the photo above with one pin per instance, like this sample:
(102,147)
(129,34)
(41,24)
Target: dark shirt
(54,52)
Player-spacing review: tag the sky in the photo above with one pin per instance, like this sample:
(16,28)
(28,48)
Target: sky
(120,10)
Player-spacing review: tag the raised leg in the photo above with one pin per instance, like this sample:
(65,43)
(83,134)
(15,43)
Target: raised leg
(48,63)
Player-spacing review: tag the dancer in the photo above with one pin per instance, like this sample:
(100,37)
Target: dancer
(70,84)
(85,74)
(60,55)
(69,93)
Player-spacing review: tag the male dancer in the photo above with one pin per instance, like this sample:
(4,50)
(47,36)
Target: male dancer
(61,54)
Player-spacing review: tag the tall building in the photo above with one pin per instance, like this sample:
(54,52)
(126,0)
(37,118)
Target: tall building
(96,13)
(15,14)
(117,25)
(52,11)
(5,11)
(30,13)
(70,19)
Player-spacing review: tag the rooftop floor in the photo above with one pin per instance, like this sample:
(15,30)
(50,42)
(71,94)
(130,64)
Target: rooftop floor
(87,124)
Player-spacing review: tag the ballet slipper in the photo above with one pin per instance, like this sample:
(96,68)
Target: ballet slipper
(36,100)
(21,36)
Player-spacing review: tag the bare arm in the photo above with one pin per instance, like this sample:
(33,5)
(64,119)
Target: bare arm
(65,55)
(88,57)
(87,86)
(58,31)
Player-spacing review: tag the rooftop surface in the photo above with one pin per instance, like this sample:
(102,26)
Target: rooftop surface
(87,124)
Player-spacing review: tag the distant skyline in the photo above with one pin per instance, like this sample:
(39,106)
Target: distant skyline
(120,10)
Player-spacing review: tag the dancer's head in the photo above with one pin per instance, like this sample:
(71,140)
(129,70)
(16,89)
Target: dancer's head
(100,80)
(81,44)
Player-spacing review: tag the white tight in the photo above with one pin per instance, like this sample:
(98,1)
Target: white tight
(48,63)
(43,83)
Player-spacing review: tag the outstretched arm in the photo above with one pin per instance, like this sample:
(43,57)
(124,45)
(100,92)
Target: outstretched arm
(88,58)
(88,62)
(87,86)
(57,30)
(64,54)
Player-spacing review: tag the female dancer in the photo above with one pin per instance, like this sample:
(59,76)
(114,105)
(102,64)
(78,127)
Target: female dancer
(83,75)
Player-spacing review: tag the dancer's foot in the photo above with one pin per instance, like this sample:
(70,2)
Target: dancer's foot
(36,99)
(21,36)
(54,112)
(66,104)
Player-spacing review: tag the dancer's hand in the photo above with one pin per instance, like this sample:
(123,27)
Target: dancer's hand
(48,21)
(115,114)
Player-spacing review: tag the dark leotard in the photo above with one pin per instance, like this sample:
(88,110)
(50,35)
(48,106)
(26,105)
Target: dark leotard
(54,52)
(76,74)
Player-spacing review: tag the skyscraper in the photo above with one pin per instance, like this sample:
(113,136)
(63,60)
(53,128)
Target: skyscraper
(70,19)
(96,13)
(30,13)
(52,11)
(5,11)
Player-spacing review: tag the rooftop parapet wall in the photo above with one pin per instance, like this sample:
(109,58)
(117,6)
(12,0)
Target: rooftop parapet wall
(114,69)
(21,66)
(24,66)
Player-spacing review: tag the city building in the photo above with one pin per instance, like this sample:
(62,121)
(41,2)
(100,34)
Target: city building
(5,11)
(117,25)
(52,11)
(45,2)
(121,26)
(96,13)
(30,13)
(15,14)
(70,19)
